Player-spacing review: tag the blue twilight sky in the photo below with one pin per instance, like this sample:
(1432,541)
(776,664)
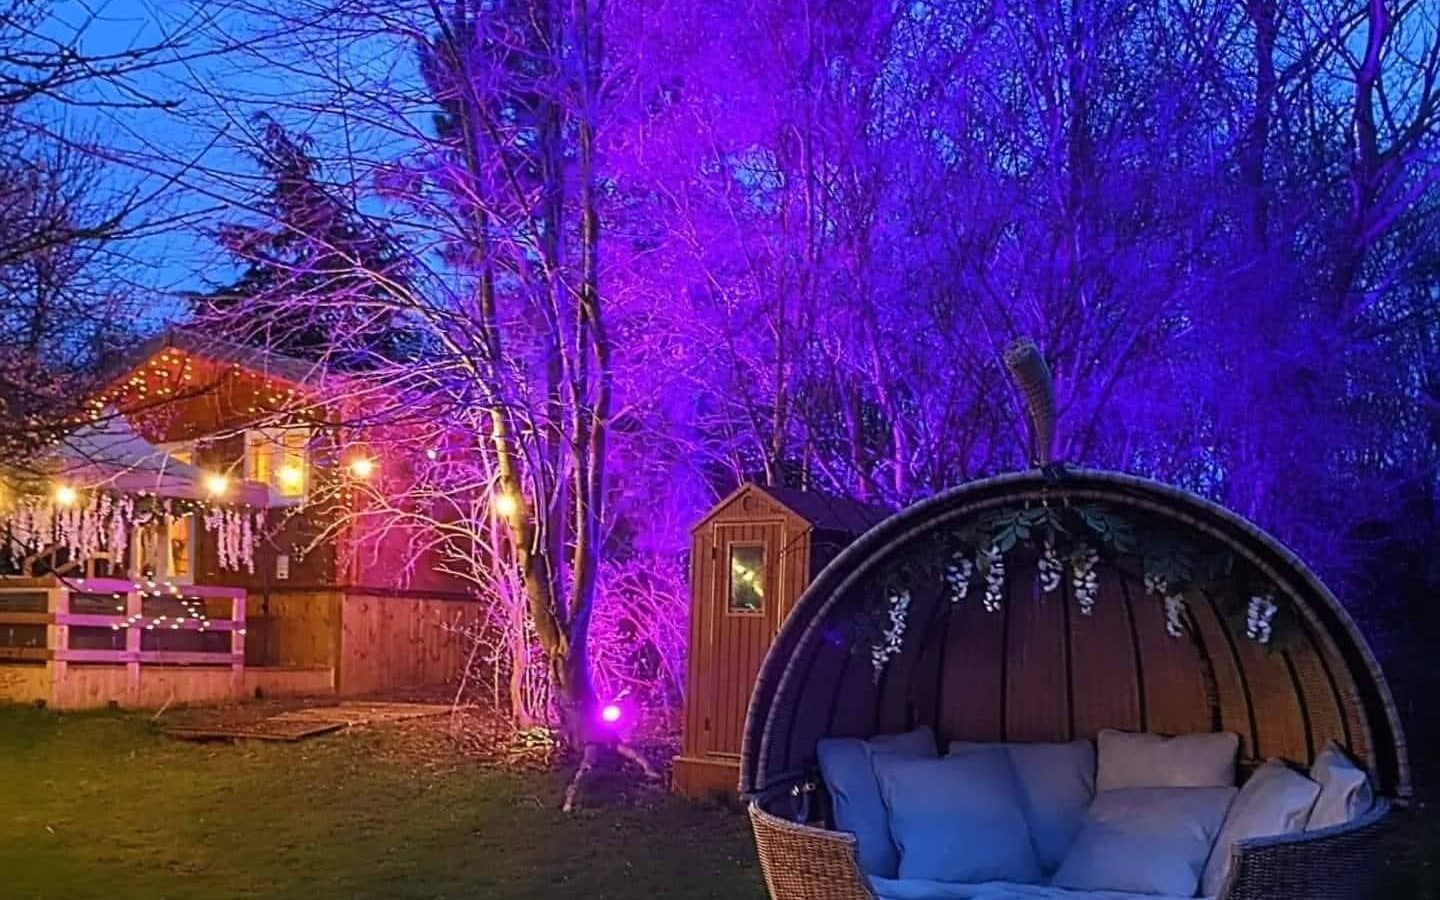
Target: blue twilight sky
(162,261)
(182,160)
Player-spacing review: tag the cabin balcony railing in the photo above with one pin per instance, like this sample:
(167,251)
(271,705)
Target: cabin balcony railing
(59,622)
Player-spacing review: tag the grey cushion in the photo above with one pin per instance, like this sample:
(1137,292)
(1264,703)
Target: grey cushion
(1145,840)
(846,764)
(1345,792)
(1276,800)
(1127,760)
(958,818)
(1057,783)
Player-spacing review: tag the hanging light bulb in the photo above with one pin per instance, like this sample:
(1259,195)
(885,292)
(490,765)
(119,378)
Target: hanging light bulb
(216,484)
(65,495)
(506,505)
(291,476)
(362,467)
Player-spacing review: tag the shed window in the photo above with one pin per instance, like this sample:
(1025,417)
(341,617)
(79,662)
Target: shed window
(747,577)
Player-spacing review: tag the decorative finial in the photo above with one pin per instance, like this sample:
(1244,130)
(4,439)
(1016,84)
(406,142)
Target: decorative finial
(1032,376)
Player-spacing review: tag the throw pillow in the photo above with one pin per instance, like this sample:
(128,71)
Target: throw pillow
(845,764)
(1148,760)
(1276,800)
(1145,840)
(1057,784)
(1345,792)
(958,819)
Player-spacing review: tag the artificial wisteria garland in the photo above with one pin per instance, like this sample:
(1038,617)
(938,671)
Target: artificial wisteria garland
(1073,537)
(892,639)
(103,523)
(235,531)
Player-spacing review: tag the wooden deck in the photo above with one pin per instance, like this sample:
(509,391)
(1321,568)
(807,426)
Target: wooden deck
(298,724)
(86,643)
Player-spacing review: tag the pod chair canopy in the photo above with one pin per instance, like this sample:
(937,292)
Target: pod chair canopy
(1047,605)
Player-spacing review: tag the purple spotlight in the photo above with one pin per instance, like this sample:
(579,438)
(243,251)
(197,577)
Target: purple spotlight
(611,713)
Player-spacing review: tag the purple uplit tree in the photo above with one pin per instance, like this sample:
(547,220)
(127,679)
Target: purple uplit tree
(653,248)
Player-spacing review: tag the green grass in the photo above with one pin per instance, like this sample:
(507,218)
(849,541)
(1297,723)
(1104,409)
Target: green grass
(101,806)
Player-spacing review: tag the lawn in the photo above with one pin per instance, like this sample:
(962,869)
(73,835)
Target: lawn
(102,806)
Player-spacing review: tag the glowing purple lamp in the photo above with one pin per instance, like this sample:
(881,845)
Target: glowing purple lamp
(611,713)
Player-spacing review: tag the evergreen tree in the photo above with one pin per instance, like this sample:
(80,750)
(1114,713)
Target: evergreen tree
(317,274)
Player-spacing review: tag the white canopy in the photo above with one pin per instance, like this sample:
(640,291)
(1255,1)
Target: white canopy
(110,454)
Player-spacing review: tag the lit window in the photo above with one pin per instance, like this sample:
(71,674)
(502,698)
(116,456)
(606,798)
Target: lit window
(182,542)
(165,550)
(277,457)
(747,577)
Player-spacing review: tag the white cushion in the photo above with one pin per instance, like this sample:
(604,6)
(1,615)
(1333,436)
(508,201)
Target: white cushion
(1127,760)
(958,818)
(1275,800)
(1345,792)
(1145,840)
(846,764)
(1057,783)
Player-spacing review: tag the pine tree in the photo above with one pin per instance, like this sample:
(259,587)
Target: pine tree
(318,274)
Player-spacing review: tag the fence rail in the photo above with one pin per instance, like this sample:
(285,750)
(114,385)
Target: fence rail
(30,604)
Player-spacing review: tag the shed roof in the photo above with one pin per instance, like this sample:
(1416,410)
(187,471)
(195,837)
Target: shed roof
(823,511)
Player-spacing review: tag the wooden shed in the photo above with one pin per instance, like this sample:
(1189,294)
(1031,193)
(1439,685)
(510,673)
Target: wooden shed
(752,556)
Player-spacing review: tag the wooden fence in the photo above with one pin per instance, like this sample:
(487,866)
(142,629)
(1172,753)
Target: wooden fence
(59,623)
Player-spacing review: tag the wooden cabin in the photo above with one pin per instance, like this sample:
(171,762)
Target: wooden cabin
(237,583)
(751,558)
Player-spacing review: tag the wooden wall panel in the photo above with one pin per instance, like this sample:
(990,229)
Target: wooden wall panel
(1177,697)
(1282,730)
(293,629)
(1104,668)
(971,680)
(1237,711)
(88,687)
(831,666)
(900,696)
(24,683)
(391,642)
(1319,695)
(700,685)
(925,680)
(1037,702)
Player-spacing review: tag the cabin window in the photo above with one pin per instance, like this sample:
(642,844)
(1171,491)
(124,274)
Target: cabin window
(747,578)
(181,453)
(277,457)
(165,549)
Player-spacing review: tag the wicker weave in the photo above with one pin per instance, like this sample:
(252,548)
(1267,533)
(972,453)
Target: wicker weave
(805,862)
(1340,863)
(801,862)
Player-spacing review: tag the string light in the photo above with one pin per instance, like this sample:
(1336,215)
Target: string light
(362,467)
(216,484)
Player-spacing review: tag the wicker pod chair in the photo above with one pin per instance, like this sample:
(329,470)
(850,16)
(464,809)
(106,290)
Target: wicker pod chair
(1018,657)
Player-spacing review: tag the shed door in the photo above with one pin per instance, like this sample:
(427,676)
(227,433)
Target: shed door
(745,615)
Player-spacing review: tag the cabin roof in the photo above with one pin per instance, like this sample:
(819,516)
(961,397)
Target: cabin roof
(823,511)
(297,371)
